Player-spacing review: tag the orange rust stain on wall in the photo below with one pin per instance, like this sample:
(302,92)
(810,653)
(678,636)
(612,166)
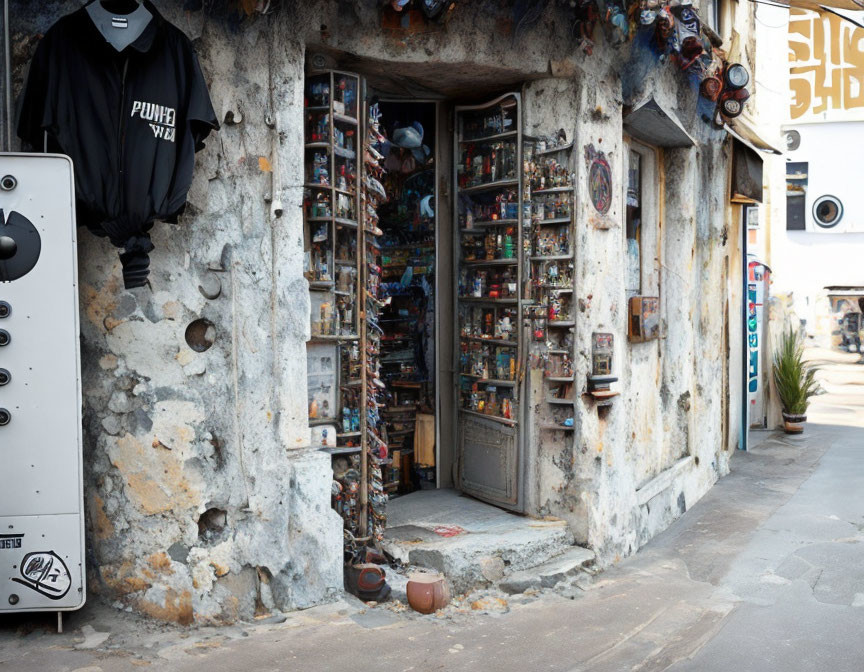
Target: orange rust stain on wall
(98,305)
(122,579)
(154,479)
(103,528)
(177,607)
(160,562)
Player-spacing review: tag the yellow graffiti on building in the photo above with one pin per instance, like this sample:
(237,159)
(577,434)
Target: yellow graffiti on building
(826,65)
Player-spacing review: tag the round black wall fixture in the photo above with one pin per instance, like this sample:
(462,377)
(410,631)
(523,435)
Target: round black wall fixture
(828,211)
(20,246)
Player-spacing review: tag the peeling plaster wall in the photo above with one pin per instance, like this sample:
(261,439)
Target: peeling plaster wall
(172,433)
(631,470)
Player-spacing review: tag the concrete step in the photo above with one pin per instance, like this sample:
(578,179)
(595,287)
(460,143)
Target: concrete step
(550,573)
(471,543)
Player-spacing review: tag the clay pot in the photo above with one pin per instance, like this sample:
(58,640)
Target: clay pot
(793,424)
(427,593)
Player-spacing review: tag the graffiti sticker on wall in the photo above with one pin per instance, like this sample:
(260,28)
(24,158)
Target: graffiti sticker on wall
(826,67)
(46,573)
(752,339)
(599,180)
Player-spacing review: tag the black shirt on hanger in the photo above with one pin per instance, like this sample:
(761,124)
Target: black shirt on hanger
(131,121)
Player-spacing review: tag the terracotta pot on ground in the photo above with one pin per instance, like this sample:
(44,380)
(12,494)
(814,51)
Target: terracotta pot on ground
(793,424)
(427,593)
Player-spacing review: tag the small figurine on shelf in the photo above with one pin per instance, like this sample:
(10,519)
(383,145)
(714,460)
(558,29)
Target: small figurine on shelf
(321,206)
(505,328)
(326,319)
(487,323)
(320,234)
(344,206)
(554,307)
(320,174)
(508,248)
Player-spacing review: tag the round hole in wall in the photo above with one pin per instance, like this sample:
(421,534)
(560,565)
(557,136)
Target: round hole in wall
(211,525)
(827,211)
(201,335)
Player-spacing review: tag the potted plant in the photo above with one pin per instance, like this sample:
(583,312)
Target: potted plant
(795,381)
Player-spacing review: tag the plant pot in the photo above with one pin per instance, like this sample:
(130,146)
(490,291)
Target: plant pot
(427,593)
(793,424)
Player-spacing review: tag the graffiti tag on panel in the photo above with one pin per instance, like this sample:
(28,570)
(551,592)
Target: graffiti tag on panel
(826,67)
(46,573)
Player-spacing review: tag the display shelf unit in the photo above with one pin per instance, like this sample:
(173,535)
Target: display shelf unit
(373,495)
(488,157)
(338,274)
(550,190)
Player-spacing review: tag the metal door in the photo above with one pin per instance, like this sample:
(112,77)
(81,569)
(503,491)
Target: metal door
(41,508)
(488,303)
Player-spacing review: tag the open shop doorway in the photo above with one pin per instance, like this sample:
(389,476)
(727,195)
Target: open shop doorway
(408,323)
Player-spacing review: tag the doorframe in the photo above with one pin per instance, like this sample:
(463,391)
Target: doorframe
(744,429)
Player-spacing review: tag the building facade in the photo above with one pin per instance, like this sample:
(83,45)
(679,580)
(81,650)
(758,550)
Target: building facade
(813,234)
(207,498)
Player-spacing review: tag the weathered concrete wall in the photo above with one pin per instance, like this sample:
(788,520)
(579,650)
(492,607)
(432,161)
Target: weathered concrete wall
(203,501)
(632,469)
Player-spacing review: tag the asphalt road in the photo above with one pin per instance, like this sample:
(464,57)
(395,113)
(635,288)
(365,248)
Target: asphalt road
(765,573)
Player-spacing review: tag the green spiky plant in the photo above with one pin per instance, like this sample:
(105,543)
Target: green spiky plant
(795,381)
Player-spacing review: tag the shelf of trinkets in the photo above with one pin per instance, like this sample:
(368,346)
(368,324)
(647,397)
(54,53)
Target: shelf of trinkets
(551,208)
(491,401)
(491,324)
(555,274)
(486,362)
(490,123)
(334,318)
(494,246)
(547,172)
(490,209)
(488,284)
(488,152)
(552,242)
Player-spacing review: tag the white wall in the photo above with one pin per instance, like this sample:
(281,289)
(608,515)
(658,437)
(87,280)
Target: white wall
(804,262)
